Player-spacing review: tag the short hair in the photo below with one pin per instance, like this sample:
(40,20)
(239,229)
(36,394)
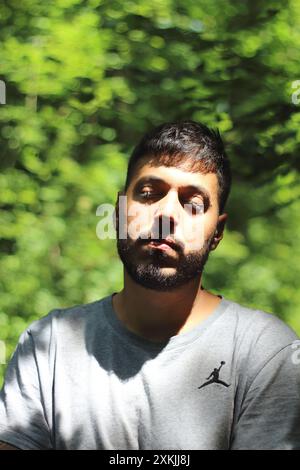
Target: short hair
(175,143)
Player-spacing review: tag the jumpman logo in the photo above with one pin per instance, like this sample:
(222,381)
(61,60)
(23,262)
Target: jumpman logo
(215,377)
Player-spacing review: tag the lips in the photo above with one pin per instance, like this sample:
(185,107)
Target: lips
(163,244)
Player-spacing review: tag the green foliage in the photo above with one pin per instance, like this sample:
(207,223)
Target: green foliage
(84,80)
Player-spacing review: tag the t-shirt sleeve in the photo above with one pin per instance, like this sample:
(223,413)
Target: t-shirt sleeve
(269,417)
(25,414)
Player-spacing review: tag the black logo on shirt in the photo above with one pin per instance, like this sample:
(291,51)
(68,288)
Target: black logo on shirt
(215,377)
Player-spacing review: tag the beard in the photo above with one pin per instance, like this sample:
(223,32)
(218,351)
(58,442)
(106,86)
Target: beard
(149,272)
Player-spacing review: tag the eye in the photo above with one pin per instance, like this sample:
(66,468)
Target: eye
(145,194)
(194,207)
(148,194)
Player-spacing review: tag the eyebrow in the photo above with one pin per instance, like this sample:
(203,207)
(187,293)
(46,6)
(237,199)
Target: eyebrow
(155,179)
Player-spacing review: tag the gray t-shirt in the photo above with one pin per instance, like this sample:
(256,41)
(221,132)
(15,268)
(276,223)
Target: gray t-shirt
(79,379)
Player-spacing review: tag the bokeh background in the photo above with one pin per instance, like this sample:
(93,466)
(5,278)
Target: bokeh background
(85,79)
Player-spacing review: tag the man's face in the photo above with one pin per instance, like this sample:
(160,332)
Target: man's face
(174,205)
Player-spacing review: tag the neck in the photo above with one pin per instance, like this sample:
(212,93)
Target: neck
(157,315)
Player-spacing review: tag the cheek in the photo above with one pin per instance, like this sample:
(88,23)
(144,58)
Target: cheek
(196,231)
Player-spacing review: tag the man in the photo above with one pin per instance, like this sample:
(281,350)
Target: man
(130,371)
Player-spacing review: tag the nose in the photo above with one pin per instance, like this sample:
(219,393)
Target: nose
(166,216)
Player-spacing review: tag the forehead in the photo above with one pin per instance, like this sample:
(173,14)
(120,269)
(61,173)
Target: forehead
(177,177)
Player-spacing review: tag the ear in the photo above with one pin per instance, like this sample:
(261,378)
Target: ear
(218,235)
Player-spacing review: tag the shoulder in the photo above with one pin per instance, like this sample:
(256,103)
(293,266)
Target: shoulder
(259,336)
(68,320)
(260,325)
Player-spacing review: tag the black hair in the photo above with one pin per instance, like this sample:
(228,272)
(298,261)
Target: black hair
(174,143)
